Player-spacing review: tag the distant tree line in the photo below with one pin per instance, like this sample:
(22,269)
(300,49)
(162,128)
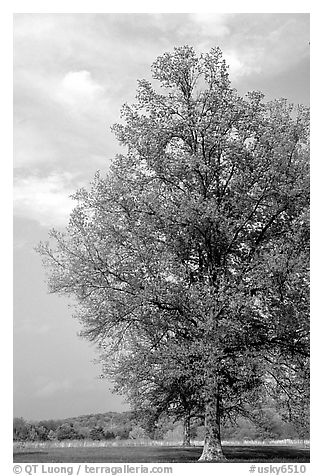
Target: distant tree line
(93,427)
(130,425)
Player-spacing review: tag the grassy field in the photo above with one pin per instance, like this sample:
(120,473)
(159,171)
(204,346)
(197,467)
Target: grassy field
(156,454)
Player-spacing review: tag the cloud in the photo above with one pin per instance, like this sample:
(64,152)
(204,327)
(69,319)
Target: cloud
(211,23)
(240,65)
(62,121)
(266,45)
(44,199)
(32,145)
(78,89)
(33,26)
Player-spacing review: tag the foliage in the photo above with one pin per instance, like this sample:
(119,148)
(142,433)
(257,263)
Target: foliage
(138,432)
(67,432)
(195,244)
(20,429)
(97,433)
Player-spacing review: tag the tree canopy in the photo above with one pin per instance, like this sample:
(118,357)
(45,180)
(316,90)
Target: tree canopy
(197,238)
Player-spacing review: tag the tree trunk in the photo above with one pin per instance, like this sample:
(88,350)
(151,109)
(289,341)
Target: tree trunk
(212,450)
(187,431)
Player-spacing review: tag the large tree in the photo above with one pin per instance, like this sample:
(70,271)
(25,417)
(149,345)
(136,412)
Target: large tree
(198,234)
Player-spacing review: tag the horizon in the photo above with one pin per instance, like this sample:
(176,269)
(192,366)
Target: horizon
(71,417)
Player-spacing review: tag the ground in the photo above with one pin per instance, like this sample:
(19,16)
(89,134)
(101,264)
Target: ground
(161,454)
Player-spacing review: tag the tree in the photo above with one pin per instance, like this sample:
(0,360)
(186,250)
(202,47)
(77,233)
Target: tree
(52,435)
(192,237)
(67,432)
(138,432)
(50,424)
(97,433)
(108,434)
(42,432)
(20,429)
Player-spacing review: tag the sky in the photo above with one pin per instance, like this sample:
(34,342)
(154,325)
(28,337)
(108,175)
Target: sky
(72,73)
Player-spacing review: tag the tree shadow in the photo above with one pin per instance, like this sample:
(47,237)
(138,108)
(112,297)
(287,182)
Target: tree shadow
(265,453)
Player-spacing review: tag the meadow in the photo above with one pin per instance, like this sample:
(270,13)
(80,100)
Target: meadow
(130,451)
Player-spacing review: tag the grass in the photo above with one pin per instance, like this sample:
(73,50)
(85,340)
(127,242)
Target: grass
(129,451)
(147,442)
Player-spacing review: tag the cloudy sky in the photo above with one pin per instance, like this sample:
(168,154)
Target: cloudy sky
(72,73)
